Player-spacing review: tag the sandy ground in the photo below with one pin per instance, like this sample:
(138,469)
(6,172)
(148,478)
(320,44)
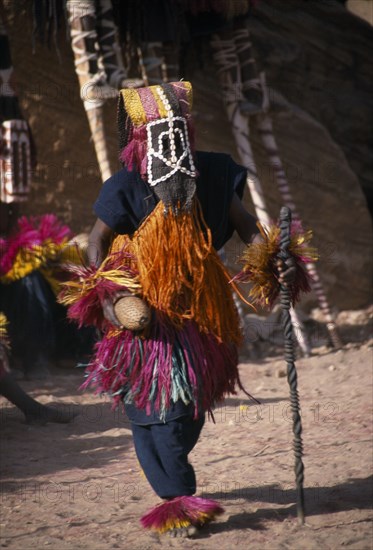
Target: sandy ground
(80,485)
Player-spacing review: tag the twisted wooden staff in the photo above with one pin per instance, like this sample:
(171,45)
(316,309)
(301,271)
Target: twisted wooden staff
(285,221)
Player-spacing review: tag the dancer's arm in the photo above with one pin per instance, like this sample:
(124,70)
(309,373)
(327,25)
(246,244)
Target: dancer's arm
(244,223)
(99,241)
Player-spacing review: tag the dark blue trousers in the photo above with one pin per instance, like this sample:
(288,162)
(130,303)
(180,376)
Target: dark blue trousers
(162,450)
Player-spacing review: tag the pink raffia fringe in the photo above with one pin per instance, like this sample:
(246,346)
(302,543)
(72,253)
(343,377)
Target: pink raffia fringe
(88,287)
(181,512)
(30,233)
(205,372)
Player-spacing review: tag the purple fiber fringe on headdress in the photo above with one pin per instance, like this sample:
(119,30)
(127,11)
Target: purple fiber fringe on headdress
(133,155)
(181,510)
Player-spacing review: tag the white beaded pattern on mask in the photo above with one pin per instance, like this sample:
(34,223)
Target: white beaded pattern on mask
(173,162)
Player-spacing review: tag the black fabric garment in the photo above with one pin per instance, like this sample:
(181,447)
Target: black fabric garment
(141,418)
(126,200)
(162,450)
(28,305)
(38,327)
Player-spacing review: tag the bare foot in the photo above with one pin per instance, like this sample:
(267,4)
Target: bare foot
(183,532)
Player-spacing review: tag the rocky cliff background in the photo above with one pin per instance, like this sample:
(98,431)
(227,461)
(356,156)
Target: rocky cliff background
(317,60)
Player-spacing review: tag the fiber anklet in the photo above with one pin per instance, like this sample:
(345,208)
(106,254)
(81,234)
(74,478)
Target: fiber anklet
(181,516)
